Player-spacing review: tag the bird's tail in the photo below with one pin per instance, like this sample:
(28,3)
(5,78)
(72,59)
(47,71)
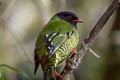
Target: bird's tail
(49,75)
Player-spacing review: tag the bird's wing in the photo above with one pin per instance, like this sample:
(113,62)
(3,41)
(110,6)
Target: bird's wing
(54,40)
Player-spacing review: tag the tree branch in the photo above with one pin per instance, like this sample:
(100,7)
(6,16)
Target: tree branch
(73,62)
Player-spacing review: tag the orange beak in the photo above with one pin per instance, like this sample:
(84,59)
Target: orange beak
(79,20)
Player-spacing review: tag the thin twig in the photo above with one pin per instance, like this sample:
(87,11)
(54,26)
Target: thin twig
(73,62)
(93,53)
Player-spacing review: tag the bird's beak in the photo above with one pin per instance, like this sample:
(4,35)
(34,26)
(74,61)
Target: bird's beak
(79,20)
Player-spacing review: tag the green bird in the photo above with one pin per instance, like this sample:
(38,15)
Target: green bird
(56,41)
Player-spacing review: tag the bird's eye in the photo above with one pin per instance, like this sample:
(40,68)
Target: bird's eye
(70,17)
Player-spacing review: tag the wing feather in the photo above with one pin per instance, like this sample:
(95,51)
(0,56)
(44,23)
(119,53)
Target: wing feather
(55,40)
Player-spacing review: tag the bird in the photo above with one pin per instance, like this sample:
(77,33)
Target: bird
(56,41)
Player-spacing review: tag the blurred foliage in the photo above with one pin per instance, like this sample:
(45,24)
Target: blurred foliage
(21,21)
(13,69)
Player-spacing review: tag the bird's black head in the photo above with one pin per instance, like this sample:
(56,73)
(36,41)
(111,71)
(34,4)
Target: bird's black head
(70,17)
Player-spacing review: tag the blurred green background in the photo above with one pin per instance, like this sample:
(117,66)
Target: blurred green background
(21,21)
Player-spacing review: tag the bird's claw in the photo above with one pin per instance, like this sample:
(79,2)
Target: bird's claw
(74,51)
(58,76)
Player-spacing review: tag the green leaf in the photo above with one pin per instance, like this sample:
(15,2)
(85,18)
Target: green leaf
(13,69)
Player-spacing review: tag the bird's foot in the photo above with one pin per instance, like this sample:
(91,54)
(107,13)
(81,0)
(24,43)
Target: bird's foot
(58,76)
(74,51)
